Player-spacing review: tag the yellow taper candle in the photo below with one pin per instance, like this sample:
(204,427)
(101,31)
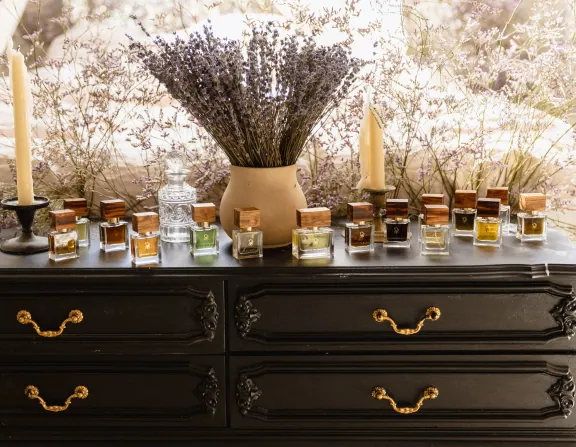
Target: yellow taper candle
(364,151)
(377,176)
(22,122)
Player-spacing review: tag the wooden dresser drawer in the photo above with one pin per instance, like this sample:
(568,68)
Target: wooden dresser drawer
(345,314)
(129,315)
(165,392)
(473,392)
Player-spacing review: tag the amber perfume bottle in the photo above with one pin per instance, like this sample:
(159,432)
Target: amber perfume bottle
(427,199)
(531,225)
(63,239)
(145,243)
(313,239)
(488,225)
(113,232)
(436,232)
(80,208)
(397,224)
(464,212)
(247,242)
(204,235)
(359,233)
(503,194)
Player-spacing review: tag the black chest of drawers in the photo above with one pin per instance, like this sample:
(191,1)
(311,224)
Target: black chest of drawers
(384,349)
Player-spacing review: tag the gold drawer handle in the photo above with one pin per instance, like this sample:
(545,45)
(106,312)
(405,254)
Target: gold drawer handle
(80,392)
(380,315)
(429,393)
(24,317)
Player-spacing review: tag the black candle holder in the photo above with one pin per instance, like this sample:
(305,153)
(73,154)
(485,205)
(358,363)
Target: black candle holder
(26,242)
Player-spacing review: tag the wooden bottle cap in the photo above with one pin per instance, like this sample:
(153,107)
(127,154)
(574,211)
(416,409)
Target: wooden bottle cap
(204,212)
(500,192)
(436,214)
(313,217)
(247,217)
(397,208)
(111,209)
(465,198)
(79,206)
(62,220)
(148,222)
(488,208)
(360,212)
(431,199)
(534,201)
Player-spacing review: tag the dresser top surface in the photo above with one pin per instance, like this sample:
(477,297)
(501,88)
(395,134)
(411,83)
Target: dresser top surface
(556,254)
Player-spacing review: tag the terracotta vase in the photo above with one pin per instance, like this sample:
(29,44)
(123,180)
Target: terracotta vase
(274,191)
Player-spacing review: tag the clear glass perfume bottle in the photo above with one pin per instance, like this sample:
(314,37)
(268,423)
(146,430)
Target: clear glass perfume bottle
(313,240)
(436,232)
(175,200)
(145,243)
(488,225)
(464,212)
(63,239)
(359,233)
(247,242)
(427,199)
(531,225)
(397,224)
(204,235)
(80,208)
(503,194)
(113,232)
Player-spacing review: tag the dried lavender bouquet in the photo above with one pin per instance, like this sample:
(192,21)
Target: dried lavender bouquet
(260,102)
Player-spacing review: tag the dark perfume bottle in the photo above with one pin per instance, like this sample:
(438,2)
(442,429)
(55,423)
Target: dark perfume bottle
(464,212)
(204,236)
(359,233)
(503,194)
(113,232)
(397,224)
(247,242)
(532,218)
(427,199)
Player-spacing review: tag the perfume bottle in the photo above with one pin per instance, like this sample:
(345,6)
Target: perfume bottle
(313,239)
(427,199)
(531,224)
(503,194)
(204,235)
(145,244)
(359,233)
(247,242)
(175,201)
(464,212)
(436,232)
(63,239)
(488,225)
(80,208)
(113,232)
(397,224)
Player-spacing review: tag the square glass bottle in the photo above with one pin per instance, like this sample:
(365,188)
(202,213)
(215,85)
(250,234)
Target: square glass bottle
(397,224)
(204,235)
(63,238)
(313,240)
(359,233)
(464,212)
(80,208)
(247,241)
(488,225)
(427,199)
(113,232)
(145,243)
(436,232)
(531,225)
(503,194)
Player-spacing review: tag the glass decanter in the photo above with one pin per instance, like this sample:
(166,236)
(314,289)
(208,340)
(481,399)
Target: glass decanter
(175,200)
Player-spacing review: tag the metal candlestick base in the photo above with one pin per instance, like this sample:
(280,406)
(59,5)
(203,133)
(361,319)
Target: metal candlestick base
(378,201)
(26,242)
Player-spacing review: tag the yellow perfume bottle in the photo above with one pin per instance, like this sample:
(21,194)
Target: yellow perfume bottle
(488,225)
(313,239)
(531,224)
(63,239)
(503,194)
(427,199)
(145,244)
(436,232)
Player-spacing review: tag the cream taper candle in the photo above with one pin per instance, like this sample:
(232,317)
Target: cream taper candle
(22,122)
(364,151)
(377,176)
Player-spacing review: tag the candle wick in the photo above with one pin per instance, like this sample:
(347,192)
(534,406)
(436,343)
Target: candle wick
(18,48)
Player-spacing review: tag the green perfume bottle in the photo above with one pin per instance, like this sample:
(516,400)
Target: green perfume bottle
(80,208)
(313,240)
(204,236)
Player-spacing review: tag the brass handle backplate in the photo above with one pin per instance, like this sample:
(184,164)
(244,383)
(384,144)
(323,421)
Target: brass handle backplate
(24,317)
(80,392)
(429,393)
(380,315)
